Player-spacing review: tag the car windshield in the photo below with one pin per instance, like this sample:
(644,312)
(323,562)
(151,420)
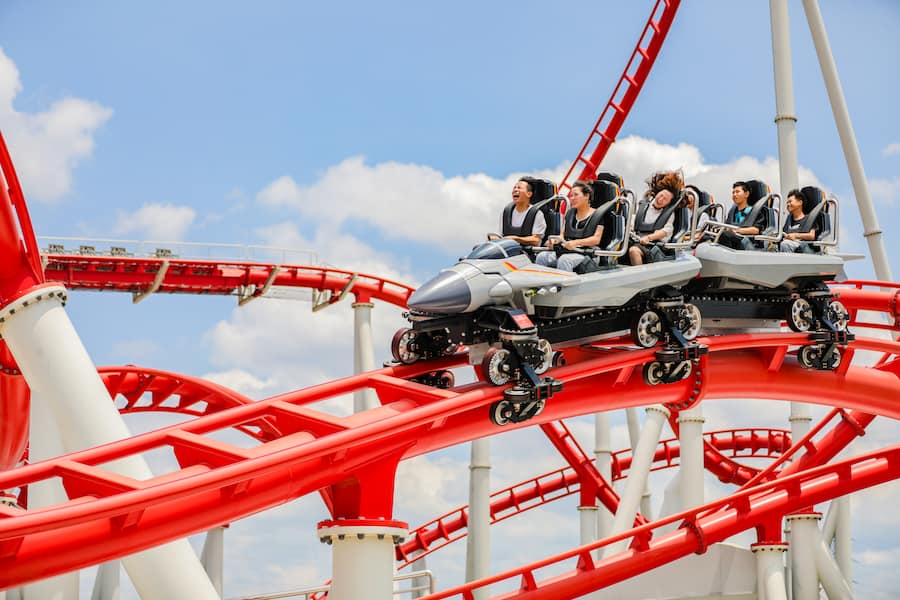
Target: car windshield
(501,248)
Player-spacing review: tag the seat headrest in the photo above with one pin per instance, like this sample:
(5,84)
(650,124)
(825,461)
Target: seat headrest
(812,197)
(543,188)
(603,191)
(613,177)
(703,198)
(758,191)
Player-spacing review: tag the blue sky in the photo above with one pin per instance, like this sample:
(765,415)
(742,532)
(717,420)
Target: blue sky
(385,136)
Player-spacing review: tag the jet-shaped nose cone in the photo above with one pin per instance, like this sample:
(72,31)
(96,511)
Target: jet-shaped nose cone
(448,292)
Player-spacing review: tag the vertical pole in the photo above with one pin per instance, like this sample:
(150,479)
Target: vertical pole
(45,443)
(637,476)
(106,585)
(419,582)
(690,437)
(634,433)
(843,545)
(603,456)
(770,584)
(362,557)
(786,124)
(363,353)
(872,231)
(478,542)
(60,373)
(213,557)
(804,539)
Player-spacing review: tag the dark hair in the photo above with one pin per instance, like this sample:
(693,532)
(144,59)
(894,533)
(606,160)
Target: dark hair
(797,194)
(741,184)
(586,189)
(666,180)
(529,183)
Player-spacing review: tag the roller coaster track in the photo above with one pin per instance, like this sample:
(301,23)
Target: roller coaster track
(218,482)
(611,119)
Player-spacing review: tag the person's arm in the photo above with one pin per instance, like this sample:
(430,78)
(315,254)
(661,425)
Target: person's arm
(661,234)
(754,229)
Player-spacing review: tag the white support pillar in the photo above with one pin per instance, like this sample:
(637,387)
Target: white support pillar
(872,231)
(634,433)
(603,456)
(478,542)
(106,585)
(833,582)
(786,123)
(362,557)
(805,538)
(213,557)
(637,475)
(770,583)
(44,442)
(843,544)
(587,521)
(363,353)
(419,582)
(690,438)
(785,119)
(59,371)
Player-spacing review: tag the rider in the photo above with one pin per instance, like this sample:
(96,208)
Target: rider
(795,230)
(583,230)
(520,220)
(735,239)
(652,222)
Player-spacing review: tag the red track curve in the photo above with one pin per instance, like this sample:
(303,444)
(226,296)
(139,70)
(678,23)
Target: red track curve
(218,482)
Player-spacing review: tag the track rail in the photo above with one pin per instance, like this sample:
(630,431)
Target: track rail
(217,482)
(141,275)
(625,93)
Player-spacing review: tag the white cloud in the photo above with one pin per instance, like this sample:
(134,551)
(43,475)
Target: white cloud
(419,203)
(891,149)
(155,221)
(46,146)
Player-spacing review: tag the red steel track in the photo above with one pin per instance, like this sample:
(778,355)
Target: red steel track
(295,449)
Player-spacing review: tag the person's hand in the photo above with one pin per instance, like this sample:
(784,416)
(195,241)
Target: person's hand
(645,240)
(569,245)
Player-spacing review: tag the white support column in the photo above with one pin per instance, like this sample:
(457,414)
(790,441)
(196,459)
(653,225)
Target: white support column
(59,371)
(785,119)
(478,542)
(872,231)
(587,521)
(843,544)
(637,475)
(634,433)
(786,123)
(833,582)
(770,584)
(363,353)
(213,557)
(106,585)
(362,557)
(44,442)
(603,456)
(805,539)
(419,582)
(690,438)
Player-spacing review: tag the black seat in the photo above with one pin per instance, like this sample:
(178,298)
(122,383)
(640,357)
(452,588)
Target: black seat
(763,203)
(545,199)
(817,216)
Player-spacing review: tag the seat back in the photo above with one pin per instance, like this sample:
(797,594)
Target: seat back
(546,200)
(818,215)
(603,191)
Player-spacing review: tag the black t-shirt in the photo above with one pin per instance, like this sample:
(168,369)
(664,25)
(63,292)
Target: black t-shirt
(792,225)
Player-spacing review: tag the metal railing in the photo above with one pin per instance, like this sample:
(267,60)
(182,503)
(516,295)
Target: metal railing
(307,593)
(171,249)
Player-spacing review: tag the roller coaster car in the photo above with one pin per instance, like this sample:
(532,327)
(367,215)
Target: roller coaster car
(741,289)
(513,314)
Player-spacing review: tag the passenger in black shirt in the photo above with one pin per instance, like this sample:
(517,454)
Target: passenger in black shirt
(796,233)
(740,195)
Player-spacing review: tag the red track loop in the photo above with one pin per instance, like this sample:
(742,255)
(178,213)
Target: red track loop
(219,482)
